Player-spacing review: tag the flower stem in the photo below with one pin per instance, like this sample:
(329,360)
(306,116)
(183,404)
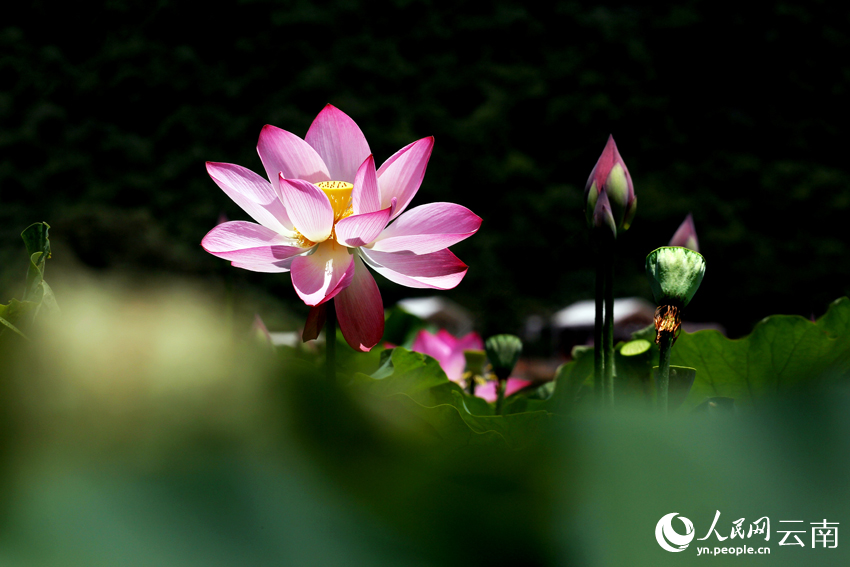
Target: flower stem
(598,360)
(500,395)
(608,331)
(330,342)
(665,346)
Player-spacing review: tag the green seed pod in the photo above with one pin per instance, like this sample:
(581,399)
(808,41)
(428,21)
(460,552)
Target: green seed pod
(674,274)
(503,352)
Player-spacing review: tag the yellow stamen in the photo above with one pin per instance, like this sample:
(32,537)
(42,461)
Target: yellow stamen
(339,194)
(668,319)
(302,240)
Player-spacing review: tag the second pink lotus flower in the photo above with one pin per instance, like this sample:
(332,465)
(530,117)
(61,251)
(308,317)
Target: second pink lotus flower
(448,351)
(324,214)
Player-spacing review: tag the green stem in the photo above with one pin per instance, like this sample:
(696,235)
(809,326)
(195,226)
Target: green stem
(598,361)
(330,341)
(608,338)
(500,395)
(663,383)
(229,302)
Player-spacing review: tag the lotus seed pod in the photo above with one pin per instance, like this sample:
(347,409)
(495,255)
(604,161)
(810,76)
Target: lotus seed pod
(674,274)
(503,352)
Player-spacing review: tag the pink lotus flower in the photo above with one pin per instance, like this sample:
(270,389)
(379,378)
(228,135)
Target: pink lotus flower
(488,391)
(448,351)
(323,214)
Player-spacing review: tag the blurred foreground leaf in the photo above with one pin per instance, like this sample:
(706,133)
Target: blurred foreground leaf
(149,437)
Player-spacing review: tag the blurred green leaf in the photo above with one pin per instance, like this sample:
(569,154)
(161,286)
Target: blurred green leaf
(717,406)
(12,327)
(18,314)
(35,276)
(37,293)
(35,238)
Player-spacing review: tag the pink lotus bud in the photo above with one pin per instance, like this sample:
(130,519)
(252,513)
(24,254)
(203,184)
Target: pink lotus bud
(686,235)
(610,183)
(602,215)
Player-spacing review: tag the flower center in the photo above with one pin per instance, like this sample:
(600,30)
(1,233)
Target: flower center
(339,194)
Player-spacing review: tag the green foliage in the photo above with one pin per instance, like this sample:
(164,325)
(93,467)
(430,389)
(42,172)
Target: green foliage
(784,355)
(38,296)
(418,384)
(147,414)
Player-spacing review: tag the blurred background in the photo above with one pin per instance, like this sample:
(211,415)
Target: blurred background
(136,432)
(109,110)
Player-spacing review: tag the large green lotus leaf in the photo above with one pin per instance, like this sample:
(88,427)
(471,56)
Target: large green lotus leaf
(406,372)
(454,425)
(681,380)
(420,377)
(784,354)
(417,384)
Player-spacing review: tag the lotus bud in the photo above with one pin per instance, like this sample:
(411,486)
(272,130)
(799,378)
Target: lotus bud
(602,215)
(610,182)
(674,275)
(503,352)
(686,235)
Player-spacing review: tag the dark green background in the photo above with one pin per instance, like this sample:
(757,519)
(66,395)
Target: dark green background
(108,112)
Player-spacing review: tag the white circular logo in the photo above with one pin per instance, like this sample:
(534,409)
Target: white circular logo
(666,535)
